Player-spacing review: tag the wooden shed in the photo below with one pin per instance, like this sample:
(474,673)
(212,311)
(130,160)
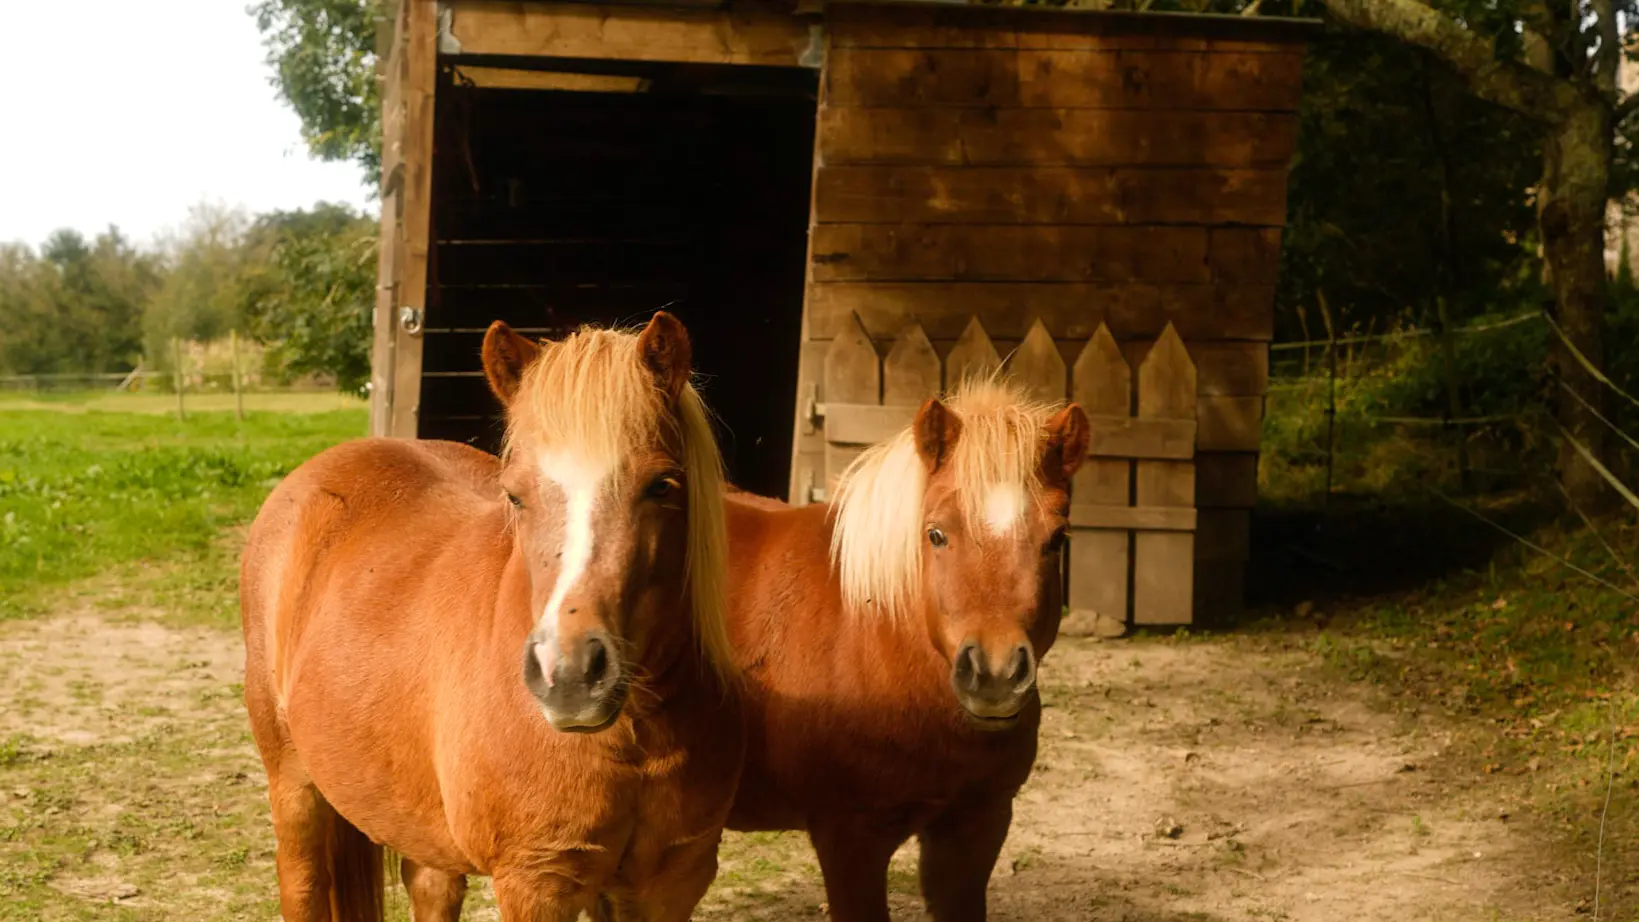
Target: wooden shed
(851,205)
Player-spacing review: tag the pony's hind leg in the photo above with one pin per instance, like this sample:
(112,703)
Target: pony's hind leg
(302,824)
(959,850)
(435,896)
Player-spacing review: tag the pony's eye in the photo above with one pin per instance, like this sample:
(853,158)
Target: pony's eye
(1056,543)
(936,537)
(514,500)
(661,487)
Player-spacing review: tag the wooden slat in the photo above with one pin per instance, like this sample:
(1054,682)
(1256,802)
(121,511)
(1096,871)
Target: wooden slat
(1038,366)
(866,423)
(875,252)
(513,78)
(1226,480)
(1245,255)
(1033,78)
(808,436)
(419,93)
(911,373)
(963,26)
(1153,439)
(1048,195)
(853,375)
(1234,369)
(628,33)
(474,307)
(1230,423)
(1144,518)
(564,262)
(1072,311)
(1098,562)
(974,356)
(1166,390)
(1056,137)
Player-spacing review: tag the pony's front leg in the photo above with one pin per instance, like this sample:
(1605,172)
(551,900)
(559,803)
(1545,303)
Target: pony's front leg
(670,895)
(959,850)
(853,856)
(534,896)
(435,896)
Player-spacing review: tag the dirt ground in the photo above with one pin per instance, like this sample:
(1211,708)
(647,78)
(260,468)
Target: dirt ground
(1199,779)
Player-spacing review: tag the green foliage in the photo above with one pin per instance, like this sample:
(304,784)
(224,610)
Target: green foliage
(1386,136)
(323,53)
(74,307)
(310,297)
(199,299)
(82,493)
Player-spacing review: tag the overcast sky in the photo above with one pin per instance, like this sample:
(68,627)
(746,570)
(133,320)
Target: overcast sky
(127,113)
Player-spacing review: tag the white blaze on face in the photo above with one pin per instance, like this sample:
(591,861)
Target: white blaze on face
(581,484)
(1003,506)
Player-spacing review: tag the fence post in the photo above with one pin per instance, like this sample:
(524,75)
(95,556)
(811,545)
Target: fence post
(180,375)
(1331,393)
(1454,400)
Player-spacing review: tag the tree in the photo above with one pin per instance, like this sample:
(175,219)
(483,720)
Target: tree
(199,300)
(323,53)
(76,306)
(1555,64)
(311,291)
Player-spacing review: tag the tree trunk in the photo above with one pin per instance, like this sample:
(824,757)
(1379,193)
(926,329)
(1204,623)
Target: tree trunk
(1572,199)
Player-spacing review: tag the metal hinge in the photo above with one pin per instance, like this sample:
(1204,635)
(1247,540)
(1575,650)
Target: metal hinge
(813,412)
(447,42)
(410,320)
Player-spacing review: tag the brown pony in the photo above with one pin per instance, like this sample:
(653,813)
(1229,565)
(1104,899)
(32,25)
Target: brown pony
(510,667)
(895,695)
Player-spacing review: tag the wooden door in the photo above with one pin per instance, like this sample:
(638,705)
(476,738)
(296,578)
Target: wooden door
(410,76)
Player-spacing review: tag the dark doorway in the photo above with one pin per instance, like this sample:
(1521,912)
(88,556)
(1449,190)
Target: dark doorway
(555,208)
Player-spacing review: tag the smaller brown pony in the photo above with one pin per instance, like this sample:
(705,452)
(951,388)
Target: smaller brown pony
(896,694)
(425,623)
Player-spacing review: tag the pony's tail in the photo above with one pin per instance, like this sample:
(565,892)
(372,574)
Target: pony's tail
(356,866)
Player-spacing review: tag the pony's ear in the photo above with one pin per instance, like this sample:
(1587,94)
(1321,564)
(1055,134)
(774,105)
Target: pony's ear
(1068,433)
(664,345)
(506,354)
(936,430)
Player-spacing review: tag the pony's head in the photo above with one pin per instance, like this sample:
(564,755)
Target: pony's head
(960,520)
(615,483)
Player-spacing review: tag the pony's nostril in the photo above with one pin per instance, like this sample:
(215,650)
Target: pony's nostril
(967,668)
(1020,673)
(597,661)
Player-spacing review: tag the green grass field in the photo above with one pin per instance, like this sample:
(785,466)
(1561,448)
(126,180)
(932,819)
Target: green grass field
(92,489)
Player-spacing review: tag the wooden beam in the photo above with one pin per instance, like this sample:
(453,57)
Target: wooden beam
(865,423)
(415,143)
(512,78)
(627,33)
(1129,437)
(1139,518)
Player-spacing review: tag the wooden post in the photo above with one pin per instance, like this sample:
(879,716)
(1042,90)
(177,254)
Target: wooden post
(1099,558)
(180,374)
(853,375)
(973,356)
(1038,365)
(910,374)
(233,371)
(1162,593)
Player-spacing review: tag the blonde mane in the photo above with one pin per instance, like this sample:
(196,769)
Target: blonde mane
(591,395)
(876,544)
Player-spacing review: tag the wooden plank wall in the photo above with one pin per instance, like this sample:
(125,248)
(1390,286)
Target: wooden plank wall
(1005,168)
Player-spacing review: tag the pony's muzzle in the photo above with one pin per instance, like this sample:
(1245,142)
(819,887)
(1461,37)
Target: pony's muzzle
(993,690)
(578,681)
